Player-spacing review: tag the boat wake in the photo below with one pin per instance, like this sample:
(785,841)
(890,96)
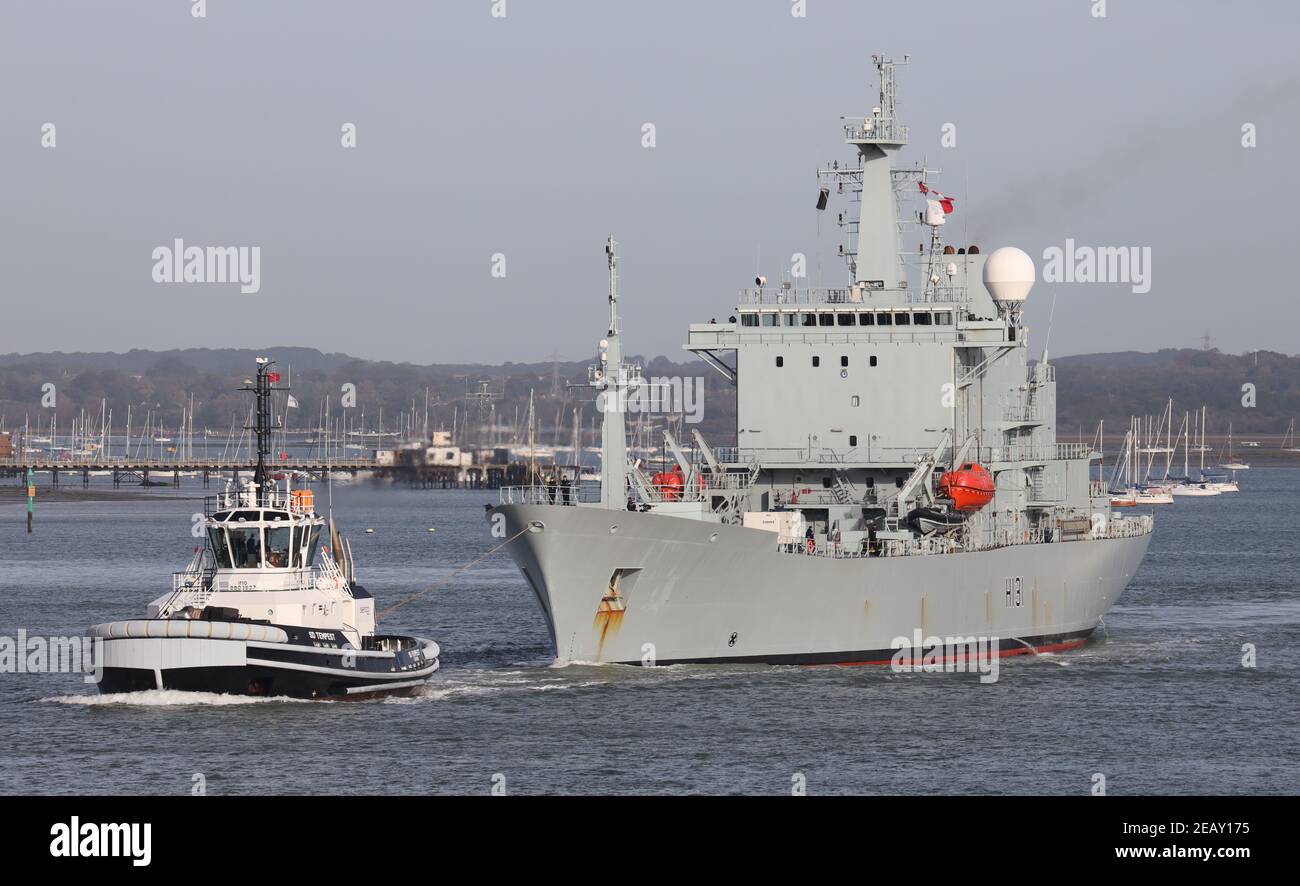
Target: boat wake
(562,676)
(171,698)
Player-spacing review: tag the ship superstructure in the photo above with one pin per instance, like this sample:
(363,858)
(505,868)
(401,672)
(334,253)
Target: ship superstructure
(895,469)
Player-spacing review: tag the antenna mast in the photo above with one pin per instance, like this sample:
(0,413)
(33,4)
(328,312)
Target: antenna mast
(261,426)
(613,379)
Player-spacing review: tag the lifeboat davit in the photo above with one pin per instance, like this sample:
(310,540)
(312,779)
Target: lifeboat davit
(970,487)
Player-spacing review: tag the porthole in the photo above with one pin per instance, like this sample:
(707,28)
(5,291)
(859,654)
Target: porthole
(613,529)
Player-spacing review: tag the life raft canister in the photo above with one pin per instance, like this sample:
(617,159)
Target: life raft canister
(970,487)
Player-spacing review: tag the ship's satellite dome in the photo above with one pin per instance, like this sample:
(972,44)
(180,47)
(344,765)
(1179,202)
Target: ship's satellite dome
(1009,274)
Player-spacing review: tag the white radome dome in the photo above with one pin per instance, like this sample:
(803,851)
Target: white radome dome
(1009,274)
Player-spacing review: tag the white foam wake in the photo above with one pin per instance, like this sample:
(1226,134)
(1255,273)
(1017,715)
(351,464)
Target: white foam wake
(170,698)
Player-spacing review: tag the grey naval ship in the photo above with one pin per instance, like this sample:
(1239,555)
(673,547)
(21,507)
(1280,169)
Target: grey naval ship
(896,473)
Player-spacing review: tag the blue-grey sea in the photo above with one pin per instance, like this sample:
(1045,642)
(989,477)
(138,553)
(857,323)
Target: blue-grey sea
(1158,702)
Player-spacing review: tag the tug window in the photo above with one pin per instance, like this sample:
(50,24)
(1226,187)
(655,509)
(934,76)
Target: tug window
(307,547)
(748,319)
(826,320)
(817,361)
(246,547)
(902,318)
(809,319)
(846,319)
(277,546)
(780,361)
(884,319)
(923,318)
(866,319)
(220,549)
(769,319)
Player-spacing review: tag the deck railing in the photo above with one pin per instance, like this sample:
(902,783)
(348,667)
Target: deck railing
(981,539)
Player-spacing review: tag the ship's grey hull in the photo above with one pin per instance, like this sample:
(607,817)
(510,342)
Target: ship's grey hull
(694,591)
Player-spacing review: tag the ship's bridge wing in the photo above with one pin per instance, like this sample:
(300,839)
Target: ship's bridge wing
(708,340)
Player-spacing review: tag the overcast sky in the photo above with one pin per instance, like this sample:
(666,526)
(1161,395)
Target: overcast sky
(523,136)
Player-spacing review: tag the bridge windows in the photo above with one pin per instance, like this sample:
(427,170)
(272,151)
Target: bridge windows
(307,540)
(220,549)
(902,318)
(923,318)
(789,319)
(246,547)
(943,318)
(884,318)
(769,319)
(866,319)
(809,319)
(846,319)
(826,319)
(277,546)
(748,319)
(288,545)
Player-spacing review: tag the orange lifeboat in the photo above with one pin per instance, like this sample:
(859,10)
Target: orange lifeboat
(669,484)
(970,487)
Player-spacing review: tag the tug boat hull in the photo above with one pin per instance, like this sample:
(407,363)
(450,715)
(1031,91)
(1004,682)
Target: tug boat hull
(270,660)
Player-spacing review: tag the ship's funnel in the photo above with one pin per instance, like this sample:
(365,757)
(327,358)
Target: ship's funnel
(1009,274)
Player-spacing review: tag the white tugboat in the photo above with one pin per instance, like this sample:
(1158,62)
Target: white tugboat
(264,608)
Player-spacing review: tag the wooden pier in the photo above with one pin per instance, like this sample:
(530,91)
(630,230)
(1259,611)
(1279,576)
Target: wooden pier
(153,472)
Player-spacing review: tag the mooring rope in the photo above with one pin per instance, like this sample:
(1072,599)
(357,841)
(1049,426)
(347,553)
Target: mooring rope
(471,564)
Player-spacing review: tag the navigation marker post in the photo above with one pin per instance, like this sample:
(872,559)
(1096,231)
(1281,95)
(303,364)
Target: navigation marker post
(31,495)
